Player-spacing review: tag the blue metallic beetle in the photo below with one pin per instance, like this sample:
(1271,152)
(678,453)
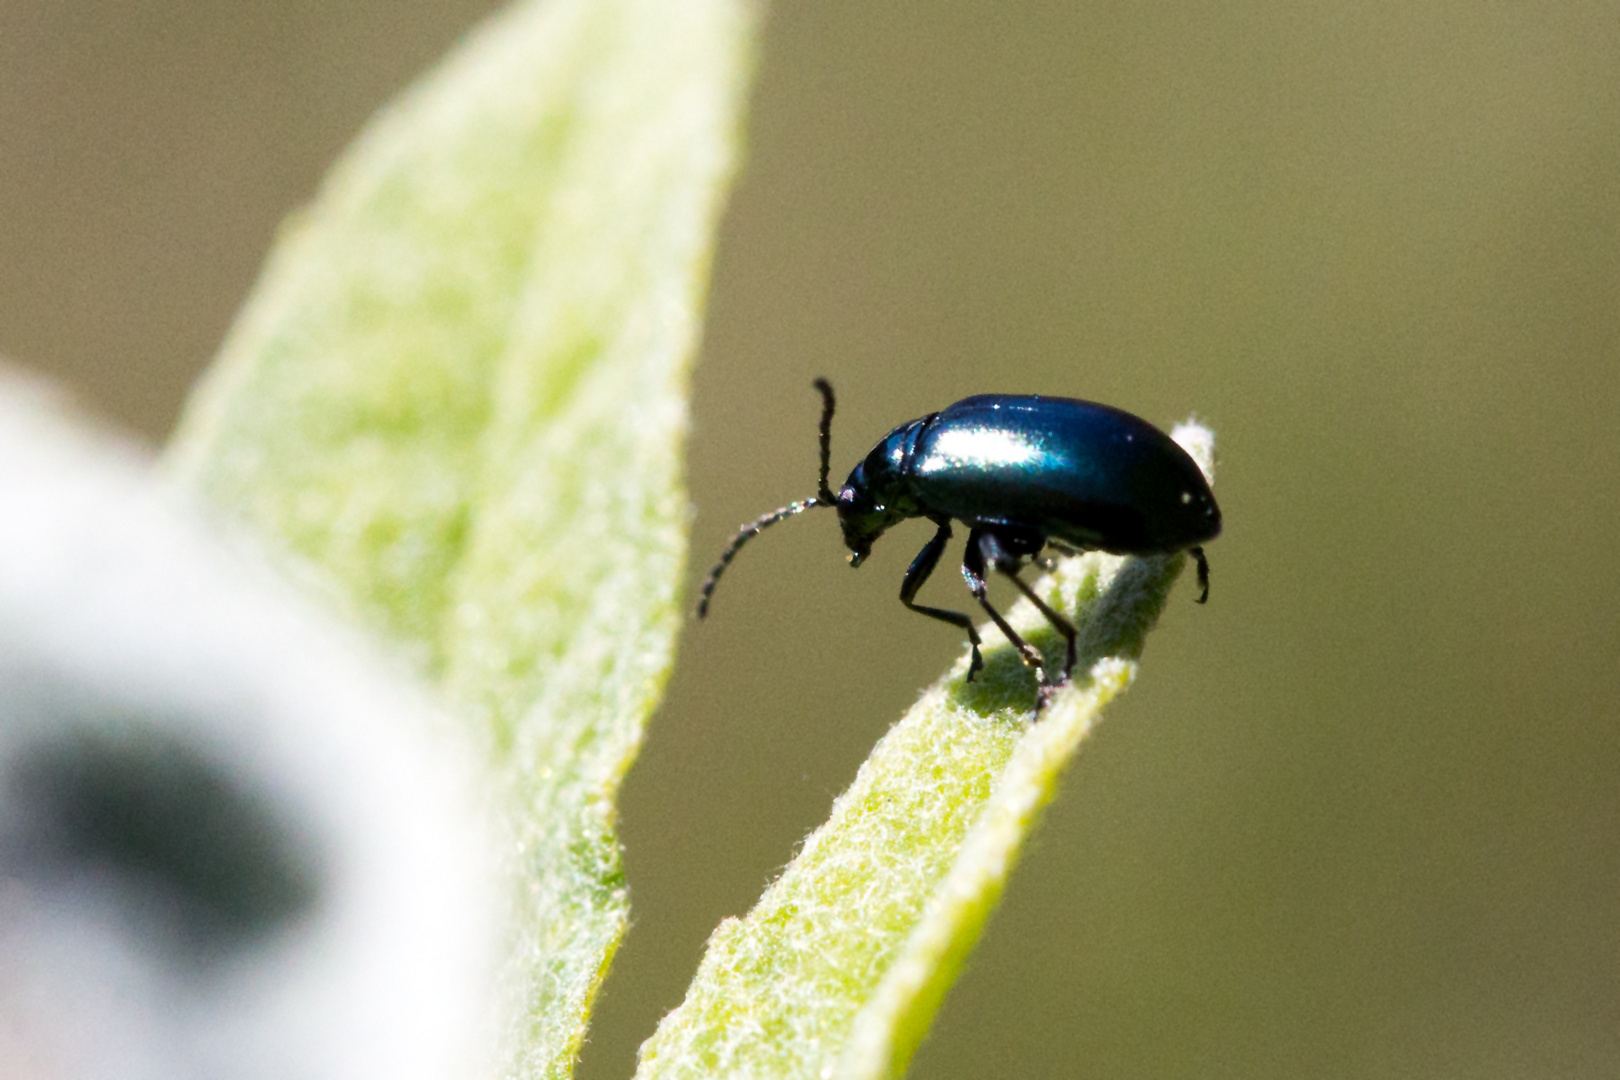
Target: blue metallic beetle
(1021,472)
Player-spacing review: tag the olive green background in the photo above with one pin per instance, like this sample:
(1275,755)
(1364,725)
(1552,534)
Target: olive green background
(1361,815)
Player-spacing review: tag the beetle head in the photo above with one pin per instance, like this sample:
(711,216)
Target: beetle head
(862,516)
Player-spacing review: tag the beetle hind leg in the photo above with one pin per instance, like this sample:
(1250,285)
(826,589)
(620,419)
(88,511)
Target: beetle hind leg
(1203,572)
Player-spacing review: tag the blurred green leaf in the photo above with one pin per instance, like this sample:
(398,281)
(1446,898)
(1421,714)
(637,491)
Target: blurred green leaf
(839,969)
(456,403)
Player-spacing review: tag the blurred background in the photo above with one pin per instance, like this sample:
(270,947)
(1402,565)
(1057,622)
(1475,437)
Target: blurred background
(1361,815)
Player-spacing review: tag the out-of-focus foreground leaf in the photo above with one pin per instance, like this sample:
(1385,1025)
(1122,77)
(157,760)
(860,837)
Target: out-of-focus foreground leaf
(839,969)
(456,402)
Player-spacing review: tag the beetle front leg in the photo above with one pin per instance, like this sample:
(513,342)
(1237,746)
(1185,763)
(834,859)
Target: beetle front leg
(918,572)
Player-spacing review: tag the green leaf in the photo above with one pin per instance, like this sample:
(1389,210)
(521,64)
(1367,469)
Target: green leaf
(839,969)
(456,405)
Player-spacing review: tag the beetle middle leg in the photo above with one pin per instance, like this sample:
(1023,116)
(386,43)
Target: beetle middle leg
(918,572)
(996,555)
(1005,554)
(973,574)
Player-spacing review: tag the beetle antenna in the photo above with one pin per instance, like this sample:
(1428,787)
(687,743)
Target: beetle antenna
(1203,572)
(824,493)
(745,534)
(823,497)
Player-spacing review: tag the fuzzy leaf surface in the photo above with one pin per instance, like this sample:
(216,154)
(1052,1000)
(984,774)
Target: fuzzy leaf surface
(455,405)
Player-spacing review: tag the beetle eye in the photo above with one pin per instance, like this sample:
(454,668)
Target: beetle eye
(1186,498)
